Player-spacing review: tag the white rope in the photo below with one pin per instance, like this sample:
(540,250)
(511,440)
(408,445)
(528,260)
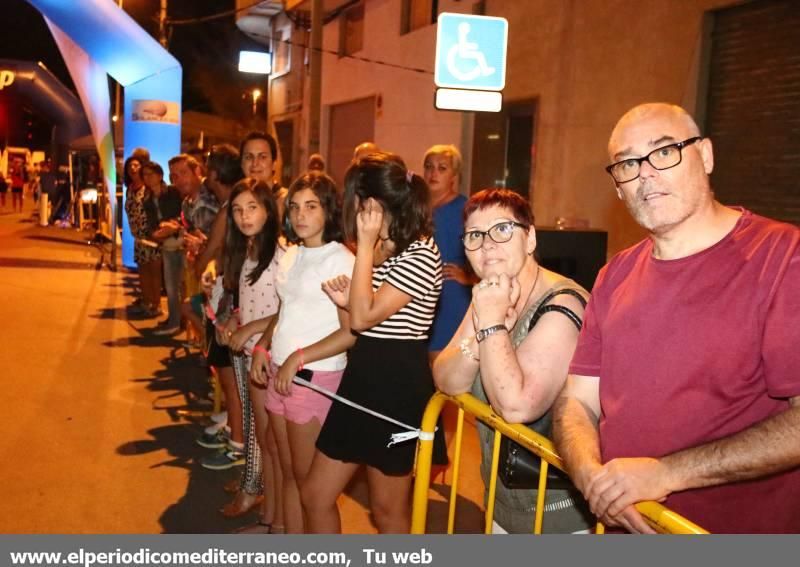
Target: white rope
(412,433)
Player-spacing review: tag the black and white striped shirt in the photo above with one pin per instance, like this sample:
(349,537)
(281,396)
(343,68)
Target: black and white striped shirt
(416,271)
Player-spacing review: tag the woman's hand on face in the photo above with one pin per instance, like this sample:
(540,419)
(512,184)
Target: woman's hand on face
(369,222)
(258,368)
(338,289)
(494,300)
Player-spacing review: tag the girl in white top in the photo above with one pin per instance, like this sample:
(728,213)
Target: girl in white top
(251,263)
(311,332)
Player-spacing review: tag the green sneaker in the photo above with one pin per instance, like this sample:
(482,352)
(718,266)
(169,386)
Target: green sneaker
(223,460)
(216,440)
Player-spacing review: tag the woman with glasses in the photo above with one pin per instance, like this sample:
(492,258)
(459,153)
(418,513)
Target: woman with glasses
(513,346)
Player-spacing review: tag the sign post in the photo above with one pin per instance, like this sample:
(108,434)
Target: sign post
(470,70)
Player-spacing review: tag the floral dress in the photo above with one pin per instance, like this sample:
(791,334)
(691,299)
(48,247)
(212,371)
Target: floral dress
(140,227)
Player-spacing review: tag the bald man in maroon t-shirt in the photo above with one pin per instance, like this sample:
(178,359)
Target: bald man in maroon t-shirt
(685,385)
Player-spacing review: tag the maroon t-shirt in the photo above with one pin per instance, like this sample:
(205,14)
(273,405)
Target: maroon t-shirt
(692,350)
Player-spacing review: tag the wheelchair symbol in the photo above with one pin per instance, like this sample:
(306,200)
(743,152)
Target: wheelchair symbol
(467,50)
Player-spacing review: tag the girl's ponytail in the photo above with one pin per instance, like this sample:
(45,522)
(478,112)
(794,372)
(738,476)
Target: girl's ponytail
(414,220)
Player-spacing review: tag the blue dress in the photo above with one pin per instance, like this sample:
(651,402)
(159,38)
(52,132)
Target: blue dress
(454,301)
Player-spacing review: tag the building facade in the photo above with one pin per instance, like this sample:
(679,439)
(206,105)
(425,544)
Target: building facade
(574,67)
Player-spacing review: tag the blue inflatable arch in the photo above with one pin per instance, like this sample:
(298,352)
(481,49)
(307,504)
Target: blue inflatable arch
(150,76)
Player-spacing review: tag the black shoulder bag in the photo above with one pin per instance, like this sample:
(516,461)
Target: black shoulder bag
(519,467)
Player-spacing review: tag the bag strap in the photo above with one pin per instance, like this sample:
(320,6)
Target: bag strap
(566,311)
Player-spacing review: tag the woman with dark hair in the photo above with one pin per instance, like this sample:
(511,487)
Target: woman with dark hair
(251,259)
(514,346)
(145,254)
(391,300)
(311,334)
(259,154)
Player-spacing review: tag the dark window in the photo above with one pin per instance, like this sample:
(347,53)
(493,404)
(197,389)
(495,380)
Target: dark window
(418,14)
(351,32)
(753,107)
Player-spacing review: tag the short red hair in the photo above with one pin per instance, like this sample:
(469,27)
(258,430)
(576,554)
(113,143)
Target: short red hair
(504,198)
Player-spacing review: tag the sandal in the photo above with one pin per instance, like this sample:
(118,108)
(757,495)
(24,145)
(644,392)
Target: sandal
(236,508)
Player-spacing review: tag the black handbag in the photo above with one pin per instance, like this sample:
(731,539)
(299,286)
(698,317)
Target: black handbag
(519,467)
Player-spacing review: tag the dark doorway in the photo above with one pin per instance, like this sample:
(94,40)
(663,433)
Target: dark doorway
(284,129)
(503,148)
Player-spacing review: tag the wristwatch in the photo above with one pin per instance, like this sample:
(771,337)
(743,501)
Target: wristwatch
(483,333)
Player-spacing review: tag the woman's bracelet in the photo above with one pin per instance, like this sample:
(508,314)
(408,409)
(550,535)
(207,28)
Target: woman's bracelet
(300,354)
(466,351)
(259,348)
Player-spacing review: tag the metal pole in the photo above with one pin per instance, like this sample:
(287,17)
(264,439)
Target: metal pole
(71,179)
(112,191)
(162,24)
(117,93)
(315,98)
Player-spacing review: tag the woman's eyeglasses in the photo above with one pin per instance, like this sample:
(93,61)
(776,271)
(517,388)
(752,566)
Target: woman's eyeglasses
(500,233)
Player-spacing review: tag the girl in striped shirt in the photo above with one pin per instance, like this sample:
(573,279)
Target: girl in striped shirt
(391,299)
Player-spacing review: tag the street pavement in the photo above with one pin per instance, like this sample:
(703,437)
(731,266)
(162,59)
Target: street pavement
(93,441)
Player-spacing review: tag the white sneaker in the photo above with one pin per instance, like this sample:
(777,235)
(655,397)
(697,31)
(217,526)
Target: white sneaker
(215,427)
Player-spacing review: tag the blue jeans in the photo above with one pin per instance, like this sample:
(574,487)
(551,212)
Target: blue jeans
(173,279)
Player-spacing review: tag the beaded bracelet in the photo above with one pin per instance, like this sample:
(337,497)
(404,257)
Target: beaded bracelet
(466,351)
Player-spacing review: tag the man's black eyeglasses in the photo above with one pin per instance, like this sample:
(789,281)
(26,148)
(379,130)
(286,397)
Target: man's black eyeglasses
(661,158)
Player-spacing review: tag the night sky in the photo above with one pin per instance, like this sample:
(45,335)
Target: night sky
(208,51)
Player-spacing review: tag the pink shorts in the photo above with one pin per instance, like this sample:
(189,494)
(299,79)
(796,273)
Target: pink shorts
(303,403)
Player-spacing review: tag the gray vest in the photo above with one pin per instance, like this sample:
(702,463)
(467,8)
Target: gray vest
(565,510)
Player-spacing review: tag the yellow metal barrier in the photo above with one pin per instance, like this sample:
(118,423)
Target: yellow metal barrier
(660,518)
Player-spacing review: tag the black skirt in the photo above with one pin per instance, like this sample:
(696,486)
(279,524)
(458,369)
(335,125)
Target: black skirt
(217,355)
(392,377)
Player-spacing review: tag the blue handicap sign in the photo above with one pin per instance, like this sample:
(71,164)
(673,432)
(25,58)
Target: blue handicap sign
(471,52)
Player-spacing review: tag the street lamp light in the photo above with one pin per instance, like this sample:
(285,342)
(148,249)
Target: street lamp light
(256,62)
(256,96)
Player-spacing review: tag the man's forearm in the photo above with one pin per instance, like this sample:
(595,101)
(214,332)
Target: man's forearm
(576,438)
(768,447)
